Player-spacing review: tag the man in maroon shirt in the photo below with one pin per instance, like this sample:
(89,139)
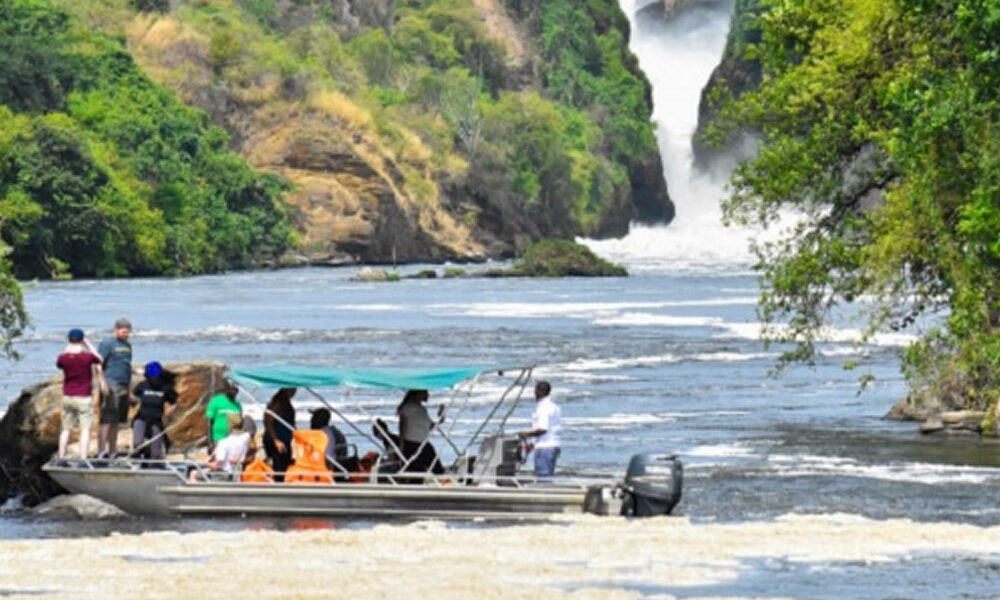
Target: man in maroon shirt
(79,363)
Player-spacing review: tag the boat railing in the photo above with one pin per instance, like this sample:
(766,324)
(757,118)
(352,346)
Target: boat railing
(184,468)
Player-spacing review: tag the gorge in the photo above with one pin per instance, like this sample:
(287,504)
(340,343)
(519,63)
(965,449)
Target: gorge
(678,48)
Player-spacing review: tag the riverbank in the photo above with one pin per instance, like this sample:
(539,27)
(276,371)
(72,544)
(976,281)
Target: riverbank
(580,558)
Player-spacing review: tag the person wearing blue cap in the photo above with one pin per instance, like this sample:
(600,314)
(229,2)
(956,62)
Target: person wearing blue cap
(157,400)
(79,363)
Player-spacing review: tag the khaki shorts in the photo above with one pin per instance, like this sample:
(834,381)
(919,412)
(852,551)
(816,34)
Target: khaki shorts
(77,410)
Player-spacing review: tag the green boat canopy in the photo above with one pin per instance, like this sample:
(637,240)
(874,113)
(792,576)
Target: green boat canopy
(309,376)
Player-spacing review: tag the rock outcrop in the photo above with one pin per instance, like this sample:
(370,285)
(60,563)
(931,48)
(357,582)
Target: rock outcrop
(361,193)
(78,506)
(29,431)
(945,416)
(559,258)
(352,191)
(734,76)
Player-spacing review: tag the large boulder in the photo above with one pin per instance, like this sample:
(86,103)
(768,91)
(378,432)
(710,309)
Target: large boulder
(29,431)
(918,407)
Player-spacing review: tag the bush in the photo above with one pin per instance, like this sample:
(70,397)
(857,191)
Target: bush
(104,173)
(562,258)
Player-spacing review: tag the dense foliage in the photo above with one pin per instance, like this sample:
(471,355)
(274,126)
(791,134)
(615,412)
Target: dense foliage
(563,258)
(13,318)
(103,173)
(426,82)
(880,129)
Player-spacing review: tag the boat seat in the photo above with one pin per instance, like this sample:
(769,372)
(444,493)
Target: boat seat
(309,454)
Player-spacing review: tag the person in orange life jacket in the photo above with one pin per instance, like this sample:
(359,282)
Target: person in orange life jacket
(336,447)
(156,399)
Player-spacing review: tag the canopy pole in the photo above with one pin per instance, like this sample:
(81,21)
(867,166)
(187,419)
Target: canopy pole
(517,399)
(465,403)
(518,381)
(341,416)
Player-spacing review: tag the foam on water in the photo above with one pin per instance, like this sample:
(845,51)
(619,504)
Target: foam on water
(577,310)
(619,421)
(632,319)
(800,465)
(849,335)
(751,330)
(12,505)
(611,364)
(728,450)
(569,557)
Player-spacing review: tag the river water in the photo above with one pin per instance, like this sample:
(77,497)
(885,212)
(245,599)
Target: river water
(795,487)
(661,361)
(667,360)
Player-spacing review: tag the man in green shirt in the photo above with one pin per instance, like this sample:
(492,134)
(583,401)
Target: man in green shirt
(217,413)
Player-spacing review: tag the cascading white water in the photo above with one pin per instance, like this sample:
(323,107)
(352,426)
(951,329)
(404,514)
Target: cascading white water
(678,56)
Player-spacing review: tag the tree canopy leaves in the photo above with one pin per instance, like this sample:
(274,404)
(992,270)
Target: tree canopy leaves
(879,128)
(104,173)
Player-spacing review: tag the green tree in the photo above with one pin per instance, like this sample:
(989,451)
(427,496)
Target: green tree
(104,173)
(879,123)
(33,73)
(13,317)
(151,5)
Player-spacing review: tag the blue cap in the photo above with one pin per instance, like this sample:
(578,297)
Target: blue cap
(75,335)
(153,369)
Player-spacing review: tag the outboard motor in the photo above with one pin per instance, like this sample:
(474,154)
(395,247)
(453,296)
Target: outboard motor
(652,485)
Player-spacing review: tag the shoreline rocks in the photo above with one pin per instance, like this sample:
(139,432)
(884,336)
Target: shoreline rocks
(29,430)
(938,418)
(548,258)
(77,506)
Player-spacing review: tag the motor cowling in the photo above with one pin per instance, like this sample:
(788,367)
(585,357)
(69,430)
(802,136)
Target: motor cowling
(498,459)
(652,485)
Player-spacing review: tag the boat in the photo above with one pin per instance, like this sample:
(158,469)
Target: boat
(484,479)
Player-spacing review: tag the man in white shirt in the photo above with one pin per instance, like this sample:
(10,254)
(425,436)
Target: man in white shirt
(546,425)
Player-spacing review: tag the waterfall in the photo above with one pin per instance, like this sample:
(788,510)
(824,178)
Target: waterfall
(678,54)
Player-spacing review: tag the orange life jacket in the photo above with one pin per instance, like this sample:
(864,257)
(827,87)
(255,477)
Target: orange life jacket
(365,464)
(257,472)
(309,451)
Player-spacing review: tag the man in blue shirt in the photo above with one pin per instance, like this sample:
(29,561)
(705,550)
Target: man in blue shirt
(116,352)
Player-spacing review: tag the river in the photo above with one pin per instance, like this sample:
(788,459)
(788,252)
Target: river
(795,487)
(667,360)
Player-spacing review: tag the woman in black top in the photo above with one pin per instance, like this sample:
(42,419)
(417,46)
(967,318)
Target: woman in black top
(279,422)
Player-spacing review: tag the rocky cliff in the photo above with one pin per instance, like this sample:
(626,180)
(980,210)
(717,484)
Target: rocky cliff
(371,180)
(734,76)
